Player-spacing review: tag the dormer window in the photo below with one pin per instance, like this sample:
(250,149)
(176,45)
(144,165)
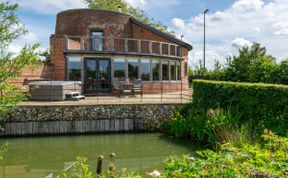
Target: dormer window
(97,40)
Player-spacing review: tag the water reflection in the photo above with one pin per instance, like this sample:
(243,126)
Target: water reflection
(37,157)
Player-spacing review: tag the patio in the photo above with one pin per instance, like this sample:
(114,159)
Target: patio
(159,98)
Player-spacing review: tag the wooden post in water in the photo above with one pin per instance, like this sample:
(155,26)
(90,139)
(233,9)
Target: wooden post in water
(112,164)
(99,164)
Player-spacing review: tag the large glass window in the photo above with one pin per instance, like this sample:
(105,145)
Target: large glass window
(165,70)
(74,69)
(145,70)
(173,70)
(155,70)
(178,70)
(119,69)
(97,40)
(133,69)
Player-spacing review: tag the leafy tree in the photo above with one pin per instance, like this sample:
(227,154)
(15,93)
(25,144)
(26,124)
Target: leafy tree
(239,66)
(47,56)
(281,73)
(262,69)
(253,64)
(12,64)
(137,13)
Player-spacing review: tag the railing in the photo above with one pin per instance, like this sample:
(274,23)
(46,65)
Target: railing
(121,45)
(153,92)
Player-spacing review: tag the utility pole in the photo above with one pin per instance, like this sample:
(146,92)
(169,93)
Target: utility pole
(204,52)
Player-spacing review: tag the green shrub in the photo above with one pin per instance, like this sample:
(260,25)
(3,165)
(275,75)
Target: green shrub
(267,159)
(213,126)
(179,125)
(258,105)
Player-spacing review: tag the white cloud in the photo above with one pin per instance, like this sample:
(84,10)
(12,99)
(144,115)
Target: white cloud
(219,16)
(55,6)
(179,23)
(283,31)
(257,30)
(146,4)
(240,42)
(137,3)
(30,37)
(252,20)
(14,48)
(247,5)
(50,6)
(282,28)
(210,56)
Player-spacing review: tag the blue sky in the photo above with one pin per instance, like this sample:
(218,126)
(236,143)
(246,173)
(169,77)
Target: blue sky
(230,23)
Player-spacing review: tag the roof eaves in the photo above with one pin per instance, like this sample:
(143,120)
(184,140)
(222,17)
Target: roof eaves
(162,34)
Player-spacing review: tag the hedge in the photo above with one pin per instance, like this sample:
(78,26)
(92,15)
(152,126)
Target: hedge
(259,105)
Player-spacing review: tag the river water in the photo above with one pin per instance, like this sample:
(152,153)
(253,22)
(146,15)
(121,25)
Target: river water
(40,156)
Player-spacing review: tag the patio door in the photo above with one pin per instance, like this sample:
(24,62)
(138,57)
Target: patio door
(97,75)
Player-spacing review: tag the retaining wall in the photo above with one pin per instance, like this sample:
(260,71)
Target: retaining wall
(49,120)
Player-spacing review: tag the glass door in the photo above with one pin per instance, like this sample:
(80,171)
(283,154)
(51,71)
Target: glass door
(90,75)
(103,82)
(97,75)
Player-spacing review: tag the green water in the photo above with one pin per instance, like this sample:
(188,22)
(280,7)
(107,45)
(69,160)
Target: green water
(40,156)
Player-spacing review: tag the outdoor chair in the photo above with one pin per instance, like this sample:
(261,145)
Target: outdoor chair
(127,89)
(137,87)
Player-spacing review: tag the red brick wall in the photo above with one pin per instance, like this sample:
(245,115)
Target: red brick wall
(79,22)
(185,57)
(74,44)
(142,33)
(158,87)
(35,72)
(113,24)
(165,87)
(57,45)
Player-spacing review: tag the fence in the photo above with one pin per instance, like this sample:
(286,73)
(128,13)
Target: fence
(162,93)
(121,45)
(176,91)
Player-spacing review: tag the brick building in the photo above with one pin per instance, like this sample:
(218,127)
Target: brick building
(104,48)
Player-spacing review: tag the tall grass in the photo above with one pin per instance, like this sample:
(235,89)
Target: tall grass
(213,127)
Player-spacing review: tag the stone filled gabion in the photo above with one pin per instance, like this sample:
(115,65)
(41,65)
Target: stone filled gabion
(151,115)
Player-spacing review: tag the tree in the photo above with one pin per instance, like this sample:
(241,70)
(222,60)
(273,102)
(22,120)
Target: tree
(137,13)
(46,55)
(281,75)
(251,65)
(12,64)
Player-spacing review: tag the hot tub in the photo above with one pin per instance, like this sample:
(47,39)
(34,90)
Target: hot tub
(53,90)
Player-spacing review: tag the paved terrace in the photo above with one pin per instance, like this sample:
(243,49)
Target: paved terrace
(165,98)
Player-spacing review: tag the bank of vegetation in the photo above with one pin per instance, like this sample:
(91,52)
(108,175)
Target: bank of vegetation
(229,118)
(267,158)
(243,126)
